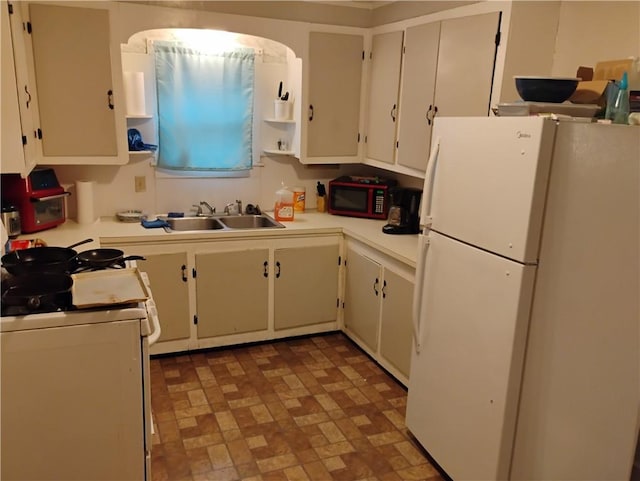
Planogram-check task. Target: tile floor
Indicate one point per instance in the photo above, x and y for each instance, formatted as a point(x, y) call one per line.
point(314, 408)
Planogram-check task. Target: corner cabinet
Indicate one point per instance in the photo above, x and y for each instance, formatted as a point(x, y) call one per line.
point(334, 79)
point(377, 307)
point(76, 79)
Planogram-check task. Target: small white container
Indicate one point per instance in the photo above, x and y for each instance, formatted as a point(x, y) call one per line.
point(282, 110)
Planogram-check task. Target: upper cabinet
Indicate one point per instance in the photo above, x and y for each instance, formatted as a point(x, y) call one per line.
point(446, 70)
point(78, 102)
point(333, 98)
point(386, 54)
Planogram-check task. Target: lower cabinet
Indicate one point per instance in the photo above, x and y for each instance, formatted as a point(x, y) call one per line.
point(377, 307)
point(168, 277)
point(218, 293)
point(305, 285)
point(232, 292)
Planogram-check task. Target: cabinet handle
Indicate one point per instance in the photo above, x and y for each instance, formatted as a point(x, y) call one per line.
point(110, 99)
point(310, 112)
point(393, 112)
point(427, 114)
point(384, 289)
point(265, 273)
point(29, 96)
point(277, 270)
point(184, 273)
point(375, 286)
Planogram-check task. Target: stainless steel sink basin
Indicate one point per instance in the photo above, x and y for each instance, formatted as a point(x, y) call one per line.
point(249, 222)
point(193, 223)
point(231, 222)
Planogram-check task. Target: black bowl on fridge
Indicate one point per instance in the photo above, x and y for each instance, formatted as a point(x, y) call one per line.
point(545, 89)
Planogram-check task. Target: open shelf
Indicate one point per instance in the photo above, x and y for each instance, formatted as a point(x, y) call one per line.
point(278, 152)
point(279, 121)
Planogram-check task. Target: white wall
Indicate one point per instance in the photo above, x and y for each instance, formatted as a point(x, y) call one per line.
point(589, 32)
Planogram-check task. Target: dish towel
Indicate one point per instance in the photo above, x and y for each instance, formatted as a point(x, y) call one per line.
point(152, 224)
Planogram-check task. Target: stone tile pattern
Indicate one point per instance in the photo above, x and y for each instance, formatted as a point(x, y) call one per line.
point(305, 409)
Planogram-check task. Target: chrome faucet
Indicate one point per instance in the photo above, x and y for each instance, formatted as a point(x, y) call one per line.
point(212, 210)
point(233, 208)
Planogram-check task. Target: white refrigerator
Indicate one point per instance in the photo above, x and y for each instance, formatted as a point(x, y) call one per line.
point(526, 315)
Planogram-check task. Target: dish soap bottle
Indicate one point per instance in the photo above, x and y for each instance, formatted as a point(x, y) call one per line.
point(618, 112)
point(283, 210)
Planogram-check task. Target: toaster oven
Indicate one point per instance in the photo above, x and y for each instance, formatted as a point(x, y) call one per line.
point(39, 198)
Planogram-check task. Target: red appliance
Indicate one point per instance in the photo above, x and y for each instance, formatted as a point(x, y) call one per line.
point(39, 199)
point(360, 196)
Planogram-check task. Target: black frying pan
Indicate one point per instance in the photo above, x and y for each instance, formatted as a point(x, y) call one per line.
point(33, 291)
point(104, 257)
point(41, 259)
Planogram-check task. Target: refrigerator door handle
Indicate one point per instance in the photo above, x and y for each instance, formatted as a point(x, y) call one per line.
point(423, 247)
point(425, 210)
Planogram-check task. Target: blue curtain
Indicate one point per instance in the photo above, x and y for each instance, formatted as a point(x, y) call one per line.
point(205, 108)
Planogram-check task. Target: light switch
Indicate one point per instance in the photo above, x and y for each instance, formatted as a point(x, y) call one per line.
point(141, 183)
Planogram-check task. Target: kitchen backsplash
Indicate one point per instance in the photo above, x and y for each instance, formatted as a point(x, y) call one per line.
point(115, 185)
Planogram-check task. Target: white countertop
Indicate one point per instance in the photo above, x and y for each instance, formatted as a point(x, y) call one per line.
point(109, 231)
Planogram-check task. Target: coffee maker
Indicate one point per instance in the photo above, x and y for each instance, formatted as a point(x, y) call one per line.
point(404, 213)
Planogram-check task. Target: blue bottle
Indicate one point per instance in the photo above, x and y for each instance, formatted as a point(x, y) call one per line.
point(618, 110)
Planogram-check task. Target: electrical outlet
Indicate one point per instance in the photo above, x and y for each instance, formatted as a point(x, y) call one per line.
point(141, 183)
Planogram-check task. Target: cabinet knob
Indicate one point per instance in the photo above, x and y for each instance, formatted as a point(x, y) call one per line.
point(277, 270)
point(393, 112)
point(265, 273)
point(310, 112)
point(375, 286)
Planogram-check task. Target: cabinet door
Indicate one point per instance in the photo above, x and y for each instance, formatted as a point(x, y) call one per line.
point(465, 65)
point(362, 298)
point(418, 85)
point(335, 74)
point(232, 292)
point(386, 56)
point(396, 334)
point(12, 154)
point(76, 89)
point(168, 276)
point(306, 285)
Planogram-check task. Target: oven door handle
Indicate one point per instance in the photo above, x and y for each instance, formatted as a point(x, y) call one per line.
point(49, 197)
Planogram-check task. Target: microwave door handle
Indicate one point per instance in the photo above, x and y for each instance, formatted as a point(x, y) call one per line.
point(49, 197)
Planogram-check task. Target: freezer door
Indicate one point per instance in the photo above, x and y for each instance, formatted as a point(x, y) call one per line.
point(490, 180)
point(464, 382)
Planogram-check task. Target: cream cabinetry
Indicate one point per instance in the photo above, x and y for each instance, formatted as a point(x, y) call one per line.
point(17, 154)
point(168, 276)
point(306, 285)
point(232, 292)
point(385, 56)
point(377, 307)
point(446, 70)
point(221, 293)
point(334, 78)
point(78, 101)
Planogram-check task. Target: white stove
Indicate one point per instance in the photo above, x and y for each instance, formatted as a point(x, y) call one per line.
point(75, 392)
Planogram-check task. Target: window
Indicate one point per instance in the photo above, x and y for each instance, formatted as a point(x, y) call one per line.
point(205, 108)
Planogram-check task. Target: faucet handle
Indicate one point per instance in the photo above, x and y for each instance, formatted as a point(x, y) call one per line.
point(239, 206)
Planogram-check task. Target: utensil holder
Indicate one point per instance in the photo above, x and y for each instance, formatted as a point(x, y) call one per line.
point(282, 109)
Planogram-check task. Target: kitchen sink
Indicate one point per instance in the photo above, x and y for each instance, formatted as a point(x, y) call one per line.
point(249, 221)
point(231, 222)
point(193, 223)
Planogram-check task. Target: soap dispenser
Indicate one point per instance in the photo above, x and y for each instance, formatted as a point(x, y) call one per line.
point(618, 110)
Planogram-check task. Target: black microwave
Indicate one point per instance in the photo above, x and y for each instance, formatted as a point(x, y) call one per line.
point(360, 196)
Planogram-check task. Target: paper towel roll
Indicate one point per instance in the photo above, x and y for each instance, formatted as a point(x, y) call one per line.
point(134, 93)
point(85, 202)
